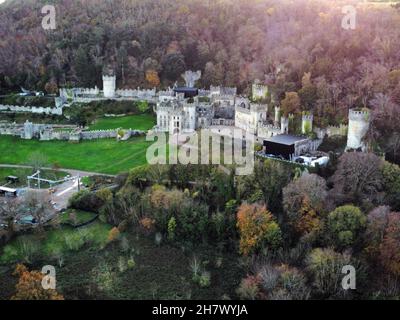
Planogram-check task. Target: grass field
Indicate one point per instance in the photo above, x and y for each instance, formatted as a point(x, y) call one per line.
point(103, 156)
point(138, 122)
point(76, 217)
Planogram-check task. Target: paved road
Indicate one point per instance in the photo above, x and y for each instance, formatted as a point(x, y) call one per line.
point(72, 172)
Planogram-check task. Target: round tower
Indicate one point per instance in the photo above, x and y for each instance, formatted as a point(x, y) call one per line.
point(109, 85)
point(277, 116)
point(359, 121)
point(284, 125)
point(307, 123)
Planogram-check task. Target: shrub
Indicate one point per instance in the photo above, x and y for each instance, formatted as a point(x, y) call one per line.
point(171, 229)
point(249, 288)
point(113, 234)
point(86, 201)
point(205, 279)
point(27, 249)
point(76, 240)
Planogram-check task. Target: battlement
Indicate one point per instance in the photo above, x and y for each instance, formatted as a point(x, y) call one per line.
point(357, 115)
point(308, 117)
point(109, 77)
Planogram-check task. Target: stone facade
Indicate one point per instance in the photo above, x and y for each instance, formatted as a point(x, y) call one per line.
point(46, 132)
point(30, 109)
point(109, 85)
point(249, 116)
point(359, 121)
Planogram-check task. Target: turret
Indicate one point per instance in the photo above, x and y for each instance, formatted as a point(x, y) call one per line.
point(359, 121)
point(284, 125)
point(277, 116)
point(109, 85)
point(307, 123)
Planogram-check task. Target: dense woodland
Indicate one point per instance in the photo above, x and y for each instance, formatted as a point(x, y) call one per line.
point(293, 230)
point(297, 47)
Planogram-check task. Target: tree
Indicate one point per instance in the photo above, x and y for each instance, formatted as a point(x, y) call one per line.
point(291, 104)
point(303, 200)
point(152, 78)
point(345, 224)
point(173, 65)
point(391, 183)
point(51, 87)
point(358, 179)
point(268, 180)
point(9, 209)
point(257, 229)
point(29, 286)
point(37, 204)
point(390, 246)
point(377, 221)
point(325, 268)
point(308, 92)
point(37, 160)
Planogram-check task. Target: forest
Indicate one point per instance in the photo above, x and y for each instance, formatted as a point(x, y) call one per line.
point(296, 47)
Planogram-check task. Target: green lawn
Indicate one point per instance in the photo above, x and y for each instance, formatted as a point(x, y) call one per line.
point(138, 122)
point(76, 217)
point(103, 155)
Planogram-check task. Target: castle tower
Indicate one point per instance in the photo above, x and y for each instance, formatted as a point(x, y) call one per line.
point(277, 116)
point(190, 121)
point(284, 125)
point(28, 130)
point(259, 91)
point(359, 121)
point(109, 85)
point(307, 123)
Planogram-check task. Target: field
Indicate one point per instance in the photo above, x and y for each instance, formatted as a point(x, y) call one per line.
point(102, 156)
point(137, 122)
point(134, 267)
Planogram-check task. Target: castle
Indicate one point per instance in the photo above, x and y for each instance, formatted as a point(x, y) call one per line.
point(186, 109)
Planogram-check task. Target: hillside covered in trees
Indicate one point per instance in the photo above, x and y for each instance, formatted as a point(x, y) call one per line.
point(297, 47)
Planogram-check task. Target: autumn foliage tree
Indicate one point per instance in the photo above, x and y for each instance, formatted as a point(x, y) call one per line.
point(291, 104)
point(152, 78)
point(390, 246)
point(29, 286)
point(257, 228)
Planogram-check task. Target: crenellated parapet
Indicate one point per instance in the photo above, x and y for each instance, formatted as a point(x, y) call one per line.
point(359, 122)
point(307, 123)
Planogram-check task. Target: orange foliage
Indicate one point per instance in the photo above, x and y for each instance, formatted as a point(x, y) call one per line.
point(308, 220)
point(147, 223)
point(152, 78)
point(390, 246)
point(256, 227)
point(29, 286)
point(113, 234)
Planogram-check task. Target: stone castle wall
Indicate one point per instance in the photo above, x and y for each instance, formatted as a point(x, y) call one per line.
point(31, 109)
